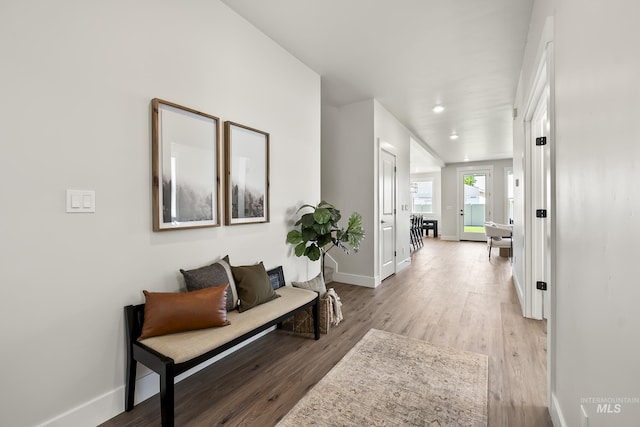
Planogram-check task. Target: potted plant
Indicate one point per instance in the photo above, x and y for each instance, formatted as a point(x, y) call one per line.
point(318, 231)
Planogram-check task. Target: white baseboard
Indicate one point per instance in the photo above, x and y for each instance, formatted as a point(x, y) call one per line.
point(556, 413)
point(451, 238)
point(519, 291)
point(404, 264)
point(91, 413)
point(354, 279)
point(104, 407)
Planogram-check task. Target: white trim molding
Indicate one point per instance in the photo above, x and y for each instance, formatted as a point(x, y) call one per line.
point(556, 413)
point(104, 407)
point(355, 279)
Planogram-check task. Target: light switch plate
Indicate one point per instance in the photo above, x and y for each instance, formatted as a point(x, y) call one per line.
point(81, 201)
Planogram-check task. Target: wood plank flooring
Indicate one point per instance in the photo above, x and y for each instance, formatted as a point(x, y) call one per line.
point(451, 295)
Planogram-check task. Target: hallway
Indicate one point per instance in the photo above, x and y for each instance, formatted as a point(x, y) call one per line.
point(451, 295)
point(470, 303)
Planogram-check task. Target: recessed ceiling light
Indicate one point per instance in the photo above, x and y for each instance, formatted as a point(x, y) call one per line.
point(438, 109)
point(453, 136)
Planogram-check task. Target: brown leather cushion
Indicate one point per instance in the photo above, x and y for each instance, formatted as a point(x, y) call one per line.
point(168, 313)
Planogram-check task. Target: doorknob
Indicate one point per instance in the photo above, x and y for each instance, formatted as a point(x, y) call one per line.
point(461, 212)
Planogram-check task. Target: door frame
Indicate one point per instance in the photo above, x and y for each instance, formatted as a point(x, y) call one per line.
point(539, 169)
point(390, 150)
point(542, 87)
point(465, 170)
point(544, 80)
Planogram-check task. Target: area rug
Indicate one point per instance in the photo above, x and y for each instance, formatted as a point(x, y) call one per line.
point(391, 380)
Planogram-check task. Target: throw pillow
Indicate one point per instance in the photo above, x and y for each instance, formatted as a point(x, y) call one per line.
point(254, 286)
point(216, 274)
point(316, 284)
point(168, 313)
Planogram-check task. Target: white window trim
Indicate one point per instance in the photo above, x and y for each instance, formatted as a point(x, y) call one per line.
point(507, 169)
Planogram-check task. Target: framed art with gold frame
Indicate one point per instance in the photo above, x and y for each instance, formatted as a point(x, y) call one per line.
point(246, 174)
point(185, 167)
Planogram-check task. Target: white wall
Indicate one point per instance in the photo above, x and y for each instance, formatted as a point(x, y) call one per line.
point(389, 130)
point(350, 140)
point(450, 202)
point(348, 180)
point(597, 102)
point(77, 81)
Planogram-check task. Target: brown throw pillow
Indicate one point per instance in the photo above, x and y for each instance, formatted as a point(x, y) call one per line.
point(168, 313)
point(216, 274)
point(253, 285)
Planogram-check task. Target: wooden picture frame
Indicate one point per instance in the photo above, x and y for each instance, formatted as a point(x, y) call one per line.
point(246, 174)
point(185, 167)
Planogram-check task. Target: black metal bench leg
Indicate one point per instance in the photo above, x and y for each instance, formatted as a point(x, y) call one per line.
point(130, 387)
point(316, 318)
point(167, 396)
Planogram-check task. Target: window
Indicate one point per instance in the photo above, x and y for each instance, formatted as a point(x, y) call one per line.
point(422, 197)
point(509, 196)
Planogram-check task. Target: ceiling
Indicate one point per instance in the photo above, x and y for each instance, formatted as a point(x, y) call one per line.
point(411, 55)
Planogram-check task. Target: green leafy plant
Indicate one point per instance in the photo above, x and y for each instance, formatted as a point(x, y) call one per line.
point(318, 231)
point(470, 180)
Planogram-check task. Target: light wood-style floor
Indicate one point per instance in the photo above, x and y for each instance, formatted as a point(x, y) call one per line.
point(450, 295)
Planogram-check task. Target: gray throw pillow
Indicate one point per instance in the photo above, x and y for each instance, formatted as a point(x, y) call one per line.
point(254, 286)
point(216, 274)
point(316, 284)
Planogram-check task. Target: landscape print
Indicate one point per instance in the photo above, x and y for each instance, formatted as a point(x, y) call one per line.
point(187, 182)
point(251, 203)
point(247, 161)
point(185, 203)
point(188, 168)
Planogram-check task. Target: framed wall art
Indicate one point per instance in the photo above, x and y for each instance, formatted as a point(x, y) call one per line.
point(185, 171)
point(247, 174)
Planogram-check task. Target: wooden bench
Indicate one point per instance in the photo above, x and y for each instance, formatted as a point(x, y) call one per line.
point(171, 355)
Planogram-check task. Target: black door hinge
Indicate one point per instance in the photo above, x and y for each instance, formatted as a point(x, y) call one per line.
point(542, 140)
point(395, 253)
point(541, 286)
point(541, 213)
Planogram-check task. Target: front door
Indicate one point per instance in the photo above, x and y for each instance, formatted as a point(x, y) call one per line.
point(474, 204)
point(387, 203)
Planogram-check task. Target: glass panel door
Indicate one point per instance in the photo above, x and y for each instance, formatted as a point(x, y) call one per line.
point(474, 210)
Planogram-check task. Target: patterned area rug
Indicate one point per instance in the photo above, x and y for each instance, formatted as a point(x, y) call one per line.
point(391, 380)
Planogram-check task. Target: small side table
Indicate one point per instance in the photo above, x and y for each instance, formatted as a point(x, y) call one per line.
point(430, 224)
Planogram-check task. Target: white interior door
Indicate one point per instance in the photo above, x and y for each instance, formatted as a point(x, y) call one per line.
point(540, 203)
point(387, 185)
point(474, 202)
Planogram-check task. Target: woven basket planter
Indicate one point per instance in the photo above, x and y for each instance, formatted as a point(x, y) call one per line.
point(303, 321)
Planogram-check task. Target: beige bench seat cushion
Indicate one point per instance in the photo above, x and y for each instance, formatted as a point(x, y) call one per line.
point(185, 346)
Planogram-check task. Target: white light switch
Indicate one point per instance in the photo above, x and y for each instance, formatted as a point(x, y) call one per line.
point(81, 201)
